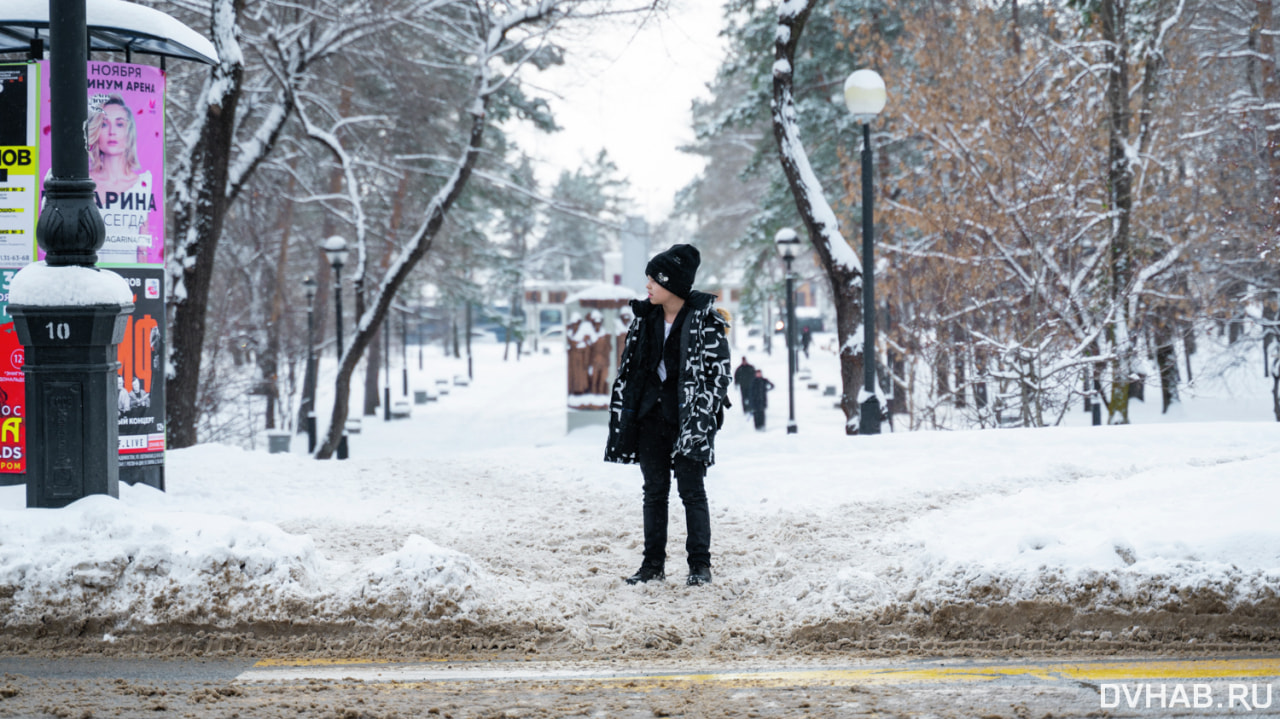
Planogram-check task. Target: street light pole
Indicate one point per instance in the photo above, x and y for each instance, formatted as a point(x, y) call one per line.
point(864, 95)
point(309, 374)
point(336, 248)
point(869, 423)
point(788, 243)
point(469, 374)
point(404, 350)
point(386, 368)
point(791, 351)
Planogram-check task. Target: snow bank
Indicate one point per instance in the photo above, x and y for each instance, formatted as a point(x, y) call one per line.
point(421, 579)
point(101, 557)
point(130, 568)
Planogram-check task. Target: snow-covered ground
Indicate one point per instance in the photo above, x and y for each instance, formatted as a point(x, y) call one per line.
point(479, 523)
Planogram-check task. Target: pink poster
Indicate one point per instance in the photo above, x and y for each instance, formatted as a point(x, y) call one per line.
point(125, 142)
point(13, 441)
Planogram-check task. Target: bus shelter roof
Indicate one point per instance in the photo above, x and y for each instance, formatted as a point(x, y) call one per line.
point(114, 26)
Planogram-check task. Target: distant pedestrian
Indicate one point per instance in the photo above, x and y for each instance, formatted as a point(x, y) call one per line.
point(760, 398)
point(667, 403)
point(743, 377)
point(806, 339)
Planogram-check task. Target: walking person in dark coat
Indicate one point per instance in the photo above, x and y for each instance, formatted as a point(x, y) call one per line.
point(667, 403)
point(743, 377)
point(806, 339)
point(760, 398)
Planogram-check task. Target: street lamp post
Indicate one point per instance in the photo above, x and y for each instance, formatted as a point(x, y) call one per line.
point(788, 246)
point(309, 374)
point(386, 368)
point(69, 339)
point(404, 350)
point(336, 249)
point(864, 95)
point(469, 374)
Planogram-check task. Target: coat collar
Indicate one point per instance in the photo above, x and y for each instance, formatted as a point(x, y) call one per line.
point(697, 302)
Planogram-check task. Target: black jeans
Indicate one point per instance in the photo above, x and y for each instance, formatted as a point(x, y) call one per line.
point(656, 439)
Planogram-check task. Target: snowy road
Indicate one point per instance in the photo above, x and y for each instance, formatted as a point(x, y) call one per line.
point(791, 687)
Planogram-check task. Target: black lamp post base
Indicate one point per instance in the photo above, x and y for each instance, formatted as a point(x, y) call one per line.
point(71, 400)
point(869, 419)
point(311, 432)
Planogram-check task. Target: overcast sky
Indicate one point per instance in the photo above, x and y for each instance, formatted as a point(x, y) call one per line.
point(628, 90)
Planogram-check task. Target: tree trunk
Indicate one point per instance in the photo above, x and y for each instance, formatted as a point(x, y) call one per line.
point(271, 370)
point(197, 227)
point(941, 365)
point(898, 370)
point(453, 329)
point(1270, 96)
point(841, 265)
point(1015, 32)
point(961, 357)
point(398, 274)
point(1120, 190)
point(1167, 361)
point(1275, 396)
point(372, 365)
point(980, 382)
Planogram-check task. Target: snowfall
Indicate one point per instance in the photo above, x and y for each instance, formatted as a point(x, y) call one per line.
point(479, 523)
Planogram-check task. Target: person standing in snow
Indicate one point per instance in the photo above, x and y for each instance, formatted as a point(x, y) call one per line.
point(760, 398)
point(743, 377)
point(667, 404)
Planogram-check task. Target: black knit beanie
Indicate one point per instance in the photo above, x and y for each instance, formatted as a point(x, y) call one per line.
point(675, 269)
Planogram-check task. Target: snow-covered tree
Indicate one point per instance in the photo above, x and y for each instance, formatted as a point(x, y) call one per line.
point(1237, 110)
point(267, 53)
point(584, 204)
point(492, 42)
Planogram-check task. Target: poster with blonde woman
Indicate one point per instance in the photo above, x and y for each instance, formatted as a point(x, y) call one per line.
point(124, 138)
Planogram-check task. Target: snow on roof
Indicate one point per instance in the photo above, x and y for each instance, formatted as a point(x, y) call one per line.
point(40, 285)
point(604, 291)
point(114, 26)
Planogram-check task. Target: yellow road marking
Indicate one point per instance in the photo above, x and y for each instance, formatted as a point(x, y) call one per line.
point(1172, 669)
point(312, 662)
point(414, 673)
point(353, 661)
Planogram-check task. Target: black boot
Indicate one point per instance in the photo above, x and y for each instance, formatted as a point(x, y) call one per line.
point(699, 574)
point(647, 573)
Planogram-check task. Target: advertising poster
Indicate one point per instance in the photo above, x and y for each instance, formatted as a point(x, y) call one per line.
point(125, 137)
point(140, 402)
point(141, 397)
point(13, 440)
point(19, 162)
point(125, 140)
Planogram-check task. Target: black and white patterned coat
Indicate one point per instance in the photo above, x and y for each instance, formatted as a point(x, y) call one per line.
point(703, 382)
